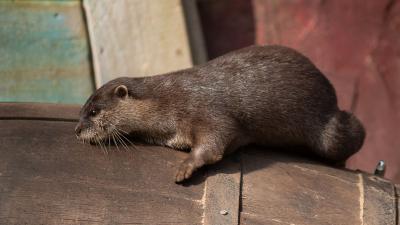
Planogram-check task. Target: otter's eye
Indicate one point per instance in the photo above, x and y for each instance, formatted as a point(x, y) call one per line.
point(93, 112)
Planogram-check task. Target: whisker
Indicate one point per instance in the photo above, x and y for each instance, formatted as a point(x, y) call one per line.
point(115, 142)
point(115, 139)
point(104, 145)
point(127, 139)
point(119, 138)
point(121, 131)
point(99, 141)
point(123, 139)
point(126, 147)
point(122, 142)
point(109, 143)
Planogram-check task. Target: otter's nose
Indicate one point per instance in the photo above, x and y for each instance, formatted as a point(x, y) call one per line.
point(78, 129)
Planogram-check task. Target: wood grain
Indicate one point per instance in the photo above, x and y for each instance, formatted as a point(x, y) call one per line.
point(137, 38)
point(379, 201)
point(279, 190)
point(54, 179)
point(44, 54)
point(222, 194)
point(43, 111)
point(48, 177)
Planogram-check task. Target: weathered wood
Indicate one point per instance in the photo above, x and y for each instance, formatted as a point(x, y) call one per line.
point(44, 54)
point(397, 186)
point(48, 177)
point(302, 192)
point(137, 38)
point(278, 189)
point(222, 194)
point(42, 111)
point(379, 201)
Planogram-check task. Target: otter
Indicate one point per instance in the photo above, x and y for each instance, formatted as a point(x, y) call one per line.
point(264, 95)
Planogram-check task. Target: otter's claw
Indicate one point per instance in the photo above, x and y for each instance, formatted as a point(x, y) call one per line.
point(185, 171)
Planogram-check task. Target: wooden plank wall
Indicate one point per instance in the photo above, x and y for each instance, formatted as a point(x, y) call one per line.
point(137, 38)
point(44, 54)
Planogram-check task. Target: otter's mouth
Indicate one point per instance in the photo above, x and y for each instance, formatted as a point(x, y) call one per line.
point(105, 138)
point(91, 135)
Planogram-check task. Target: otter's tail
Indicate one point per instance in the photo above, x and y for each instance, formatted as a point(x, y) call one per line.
point(341, 137)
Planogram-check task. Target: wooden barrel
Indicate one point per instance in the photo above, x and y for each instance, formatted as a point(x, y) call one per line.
point(48, 177)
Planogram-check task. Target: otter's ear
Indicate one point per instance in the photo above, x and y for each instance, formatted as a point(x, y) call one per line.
point(121, 91)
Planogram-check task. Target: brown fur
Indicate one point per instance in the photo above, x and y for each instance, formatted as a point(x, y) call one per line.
point(269, 95)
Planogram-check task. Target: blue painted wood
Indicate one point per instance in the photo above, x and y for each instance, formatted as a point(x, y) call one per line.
point(44, 53)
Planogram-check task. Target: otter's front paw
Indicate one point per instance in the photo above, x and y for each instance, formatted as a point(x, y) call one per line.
point(185, 170)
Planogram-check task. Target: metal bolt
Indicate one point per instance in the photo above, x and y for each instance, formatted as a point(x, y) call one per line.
point(223, 212)
point(380, 168)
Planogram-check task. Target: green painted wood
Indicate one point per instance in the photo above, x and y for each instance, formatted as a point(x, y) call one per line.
point(44, 53)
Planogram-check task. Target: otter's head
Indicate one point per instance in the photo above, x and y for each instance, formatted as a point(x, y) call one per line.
point(103, 113)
